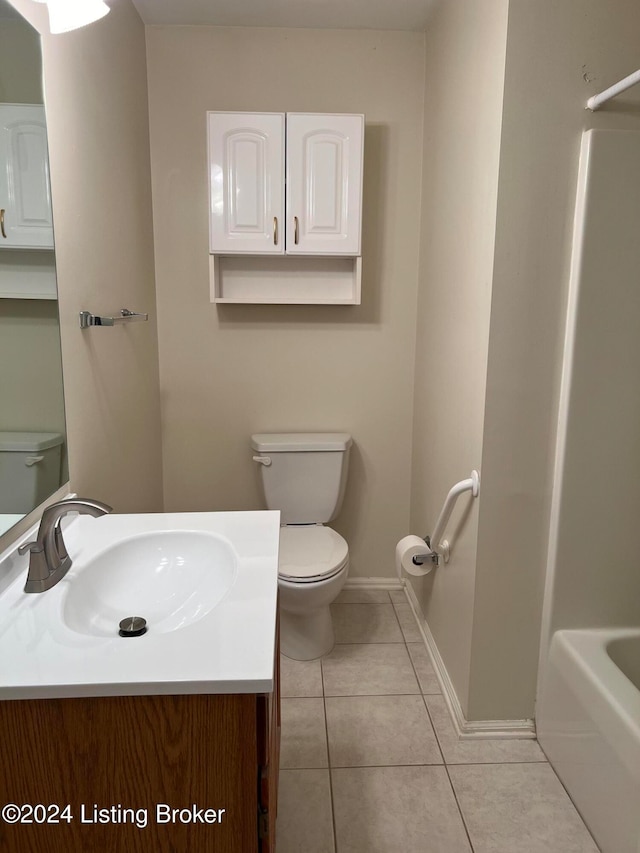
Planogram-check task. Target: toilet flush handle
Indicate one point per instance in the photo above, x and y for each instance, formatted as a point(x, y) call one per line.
point(263, 460)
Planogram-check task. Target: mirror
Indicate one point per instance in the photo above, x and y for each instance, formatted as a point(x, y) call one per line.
point(33, 461)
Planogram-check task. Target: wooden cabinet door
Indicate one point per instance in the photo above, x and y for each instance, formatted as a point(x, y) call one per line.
point(25, 197)
point(324, 183)
point(246, 182)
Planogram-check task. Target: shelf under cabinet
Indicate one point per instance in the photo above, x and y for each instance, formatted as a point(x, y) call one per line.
point(285, 279)
point(27, 274)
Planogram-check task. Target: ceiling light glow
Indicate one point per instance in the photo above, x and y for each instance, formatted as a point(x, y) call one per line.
point(66, 15)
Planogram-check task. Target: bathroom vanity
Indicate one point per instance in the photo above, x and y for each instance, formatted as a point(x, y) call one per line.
point(165, 741)
point(133, 761)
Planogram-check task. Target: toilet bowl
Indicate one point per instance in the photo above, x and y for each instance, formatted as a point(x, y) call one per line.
point(313, 567)
point(304, 476)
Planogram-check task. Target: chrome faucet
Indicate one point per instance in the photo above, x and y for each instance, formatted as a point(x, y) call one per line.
point(49, 561)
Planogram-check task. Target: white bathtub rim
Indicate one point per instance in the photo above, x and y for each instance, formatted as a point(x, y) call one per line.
point(612, 700)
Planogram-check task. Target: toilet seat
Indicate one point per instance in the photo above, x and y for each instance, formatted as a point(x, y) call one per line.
point(311, 552)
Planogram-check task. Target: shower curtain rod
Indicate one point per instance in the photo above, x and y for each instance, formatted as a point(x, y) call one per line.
point(597, 100)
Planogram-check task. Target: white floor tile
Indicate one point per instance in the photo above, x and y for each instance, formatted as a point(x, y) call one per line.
point(519, 808)
point(396, 810)
point(366, 623)
point(303, 742)
point(372, 669)
point(305, 823)
point(380, 730)
point(299, 678)
point(363, 596)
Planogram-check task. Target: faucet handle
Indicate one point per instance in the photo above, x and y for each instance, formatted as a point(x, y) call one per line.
point(61, 548)
point(32, 547)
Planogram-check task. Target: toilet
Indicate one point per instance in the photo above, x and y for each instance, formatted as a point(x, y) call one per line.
point(30, 465)
point(304, 476)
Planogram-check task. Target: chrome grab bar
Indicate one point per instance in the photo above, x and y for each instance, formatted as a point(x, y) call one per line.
point(87, 319)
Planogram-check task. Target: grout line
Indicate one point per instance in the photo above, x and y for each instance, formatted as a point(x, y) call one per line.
point(415, 675)
point(363, 696)
point(376, 642)
point(365, 766)
point(355, 695)
point(491, 763)
point(326, 730)
point(395, 613)
point(455, 796)
point(446, 767)
point(424, 702)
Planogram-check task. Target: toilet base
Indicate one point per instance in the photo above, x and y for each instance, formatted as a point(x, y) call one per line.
point(306, 636)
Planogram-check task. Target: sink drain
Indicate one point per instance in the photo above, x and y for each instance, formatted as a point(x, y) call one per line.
point(133, 626)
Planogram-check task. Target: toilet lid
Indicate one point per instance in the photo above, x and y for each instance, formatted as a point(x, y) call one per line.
point(311, 552)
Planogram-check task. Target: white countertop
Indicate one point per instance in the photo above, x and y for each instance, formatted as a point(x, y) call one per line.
point(229, 650)
point(7, 520)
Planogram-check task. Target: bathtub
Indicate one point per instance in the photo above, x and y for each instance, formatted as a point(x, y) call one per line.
point(588, 724)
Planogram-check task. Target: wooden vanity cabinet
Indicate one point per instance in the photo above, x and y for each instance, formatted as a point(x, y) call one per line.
point(125, 755)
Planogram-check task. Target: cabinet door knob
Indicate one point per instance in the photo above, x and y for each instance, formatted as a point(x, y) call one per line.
point(296, 230)
point(4, 233)
point(275, 230)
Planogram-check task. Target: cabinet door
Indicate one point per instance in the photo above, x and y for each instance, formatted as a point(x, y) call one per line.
point(246, 182)
point(324, 183)
point(25, 198)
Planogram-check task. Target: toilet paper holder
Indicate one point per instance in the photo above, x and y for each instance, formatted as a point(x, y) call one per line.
point(428, 557)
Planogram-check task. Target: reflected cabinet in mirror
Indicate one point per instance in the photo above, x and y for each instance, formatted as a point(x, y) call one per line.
point(33, 461)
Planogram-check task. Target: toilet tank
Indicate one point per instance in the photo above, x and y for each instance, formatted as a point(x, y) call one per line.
point(29, 469)
point(303, 474)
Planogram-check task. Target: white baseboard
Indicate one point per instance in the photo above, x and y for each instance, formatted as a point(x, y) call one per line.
point(465, 729)
point(372, 583)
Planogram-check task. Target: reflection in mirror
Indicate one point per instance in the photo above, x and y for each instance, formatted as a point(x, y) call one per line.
point(32, 428)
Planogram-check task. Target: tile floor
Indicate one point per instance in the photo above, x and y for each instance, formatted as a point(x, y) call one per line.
point(370, 762)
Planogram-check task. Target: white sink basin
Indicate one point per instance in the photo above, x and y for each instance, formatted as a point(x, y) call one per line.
point(170, 578)
point(207, 584)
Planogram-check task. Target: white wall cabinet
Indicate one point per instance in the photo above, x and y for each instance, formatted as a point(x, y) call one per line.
point(25, 199)
point(285, 185)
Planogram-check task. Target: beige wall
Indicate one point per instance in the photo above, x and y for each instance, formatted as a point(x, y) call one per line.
point(30, 367)
point(232, 370)
point(485, 609)
point(465, 50)
point(20, 63)
point(577, 47)
point(598, 473)
point(97, 118)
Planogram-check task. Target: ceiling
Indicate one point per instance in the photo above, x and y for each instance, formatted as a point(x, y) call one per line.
point(317, 14)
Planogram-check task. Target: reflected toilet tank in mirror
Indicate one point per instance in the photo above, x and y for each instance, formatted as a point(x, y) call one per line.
point(33, 463)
